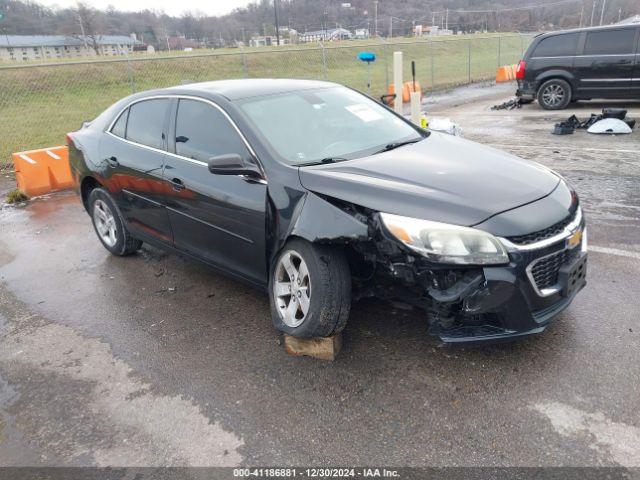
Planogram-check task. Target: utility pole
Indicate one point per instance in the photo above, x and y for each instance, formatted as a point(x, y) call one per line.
point(447, 23)
point(390, 27)
point(275, 12)
point(619, 14)
point(375, 15)
point(593, 9)
point(604, 4)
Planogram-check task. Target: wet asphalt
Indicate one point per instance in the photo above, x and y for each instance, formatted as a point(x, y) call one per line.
point(156, 360)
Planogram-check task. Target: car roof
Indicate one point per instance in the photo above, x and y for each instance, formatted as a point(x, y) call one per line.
point(588, 29)
point(246, 88)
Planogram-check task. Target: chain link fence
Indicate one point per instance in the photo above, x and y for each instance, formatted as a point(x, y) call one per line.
point(40, 103)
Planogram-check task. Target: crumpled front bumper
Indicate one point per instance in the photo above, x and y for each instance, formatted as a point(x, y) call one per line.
point(509, 304)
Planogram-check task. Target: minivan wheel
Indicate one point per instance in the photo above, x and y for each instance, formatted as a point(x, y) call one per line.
point(554, 94)
point(310, 290)
point(108, 224)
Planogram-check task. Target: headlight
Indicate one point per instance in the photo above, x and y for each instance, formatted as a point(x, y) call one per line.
point(444, 243)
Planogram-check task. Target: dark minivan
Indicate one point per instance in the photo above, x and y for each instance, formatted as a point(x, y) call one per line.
point(582, 64)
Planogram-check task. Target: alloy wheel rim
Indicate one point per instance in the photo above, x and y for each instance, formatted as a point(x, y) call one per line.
point(553, 95)
point(105, 223)
point(292, 289)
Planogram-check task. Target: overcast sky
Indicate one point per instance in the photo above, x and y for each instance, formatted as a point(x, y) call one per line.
point(172, 7)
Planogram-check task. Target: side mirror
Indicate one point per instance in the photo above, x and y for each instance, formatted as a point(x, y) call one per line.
point(232, 164)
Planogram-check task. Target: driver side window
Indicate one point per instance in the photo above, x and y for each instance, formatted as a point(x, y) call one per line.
point(202, 132)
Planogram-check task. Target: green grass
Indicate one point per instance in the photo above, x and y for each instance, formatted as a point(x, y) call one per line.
point(39, 104)
point(16, 196)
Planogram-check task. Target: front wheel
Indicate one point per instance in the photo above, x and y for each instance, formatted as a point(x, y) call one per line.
point(108, 224)
point(554, 94)
point(310, 290)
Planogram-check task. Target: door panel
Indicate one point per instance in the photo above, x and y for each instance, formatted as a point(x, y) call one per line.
point(606, 66)
point(219, 218)
point(133, 173)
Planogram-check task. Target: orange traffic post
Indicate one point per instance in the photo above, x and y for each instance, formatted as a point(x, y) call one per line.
point(42, 171)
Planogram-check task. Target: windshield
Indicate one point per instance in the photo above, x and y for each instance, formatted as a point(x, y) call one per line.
point(330, 124)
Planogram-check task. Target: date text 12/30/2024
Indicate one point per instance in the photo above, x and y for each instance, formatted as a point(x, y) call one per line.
point(316, 472)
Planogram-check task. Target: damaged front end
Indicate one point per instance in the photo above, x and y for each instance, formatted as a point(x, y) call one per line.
point(461, 304)
point(464, 303)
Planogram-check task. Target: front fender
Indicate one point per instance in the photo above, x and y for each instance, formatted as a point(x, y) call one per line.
point(320, 221)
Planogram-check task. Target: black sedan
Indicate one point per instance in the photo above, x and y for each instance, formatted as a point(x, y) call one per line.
point(322, 196)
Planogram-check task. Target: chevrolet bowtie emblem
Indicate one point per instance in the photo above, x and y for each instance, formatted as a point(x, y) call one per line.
point(575, 239)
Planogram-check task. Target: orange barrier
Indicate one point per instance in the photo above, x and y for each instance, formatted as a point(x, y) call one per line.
point(42, 171)
point(407, 88)
point(506, 73)
point(502, 75)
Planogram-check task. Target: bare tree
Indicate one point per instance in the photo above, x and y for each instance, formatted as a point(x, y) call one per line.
point(88, 18)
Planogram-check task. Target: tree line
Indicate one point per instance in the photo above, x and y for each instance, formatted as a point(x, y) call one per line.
point(394, 18)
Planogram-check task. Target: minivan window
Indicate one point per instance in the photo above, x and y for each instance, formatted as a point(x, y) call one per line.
point(557, 46)
point(202, 132)
point(146, 120)
point(610, 42)
point(120, 127)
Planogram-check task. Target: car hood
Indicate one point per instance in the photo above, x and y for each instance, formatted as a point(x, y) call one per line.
point(441, 178)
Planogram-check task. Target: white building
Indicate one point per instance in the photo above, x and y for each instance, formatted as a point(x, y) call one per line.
point(22, 48)
point(325, 35)
point(267, 41)
point(421, 30)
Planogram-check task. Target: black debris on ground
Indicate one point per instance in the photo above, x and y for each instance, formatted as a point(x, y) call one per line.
point(508, 105)
point(572, 123)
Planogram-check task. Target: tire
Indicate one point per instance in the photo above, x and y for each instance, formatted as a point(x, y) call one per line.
point(108, 224)
point(326, 286)
point(554, 94)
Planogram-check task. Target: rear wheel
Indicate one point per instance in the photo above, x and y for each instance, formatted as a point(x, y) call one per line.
point(108, 224)
point(554, 94)
point(310, 290)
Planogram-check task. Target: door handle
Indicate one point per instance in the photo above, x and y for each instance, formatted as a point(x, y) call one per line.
point(112, 162)
point(177, 184)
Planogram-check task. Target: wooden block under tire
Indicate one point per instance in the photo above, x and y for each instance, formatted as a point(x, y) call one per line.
point(319, 347)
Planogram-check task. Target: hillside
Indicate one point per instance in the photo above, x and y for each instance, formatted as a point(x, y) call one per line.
point(395, 17)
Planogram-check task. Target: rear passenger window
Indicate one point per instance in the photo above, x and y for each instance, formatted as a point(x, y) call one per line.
point(557, 46)
point(610, 42)
point(146, 120)
point(202, 132)
point(120, 127)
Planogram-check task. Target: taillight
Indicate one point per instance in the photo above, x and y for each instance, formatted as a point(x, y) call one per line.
point(522, 66)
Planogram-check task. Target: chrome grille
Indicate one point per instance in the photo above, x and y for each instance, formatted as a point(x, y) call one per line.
point(543, 234)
